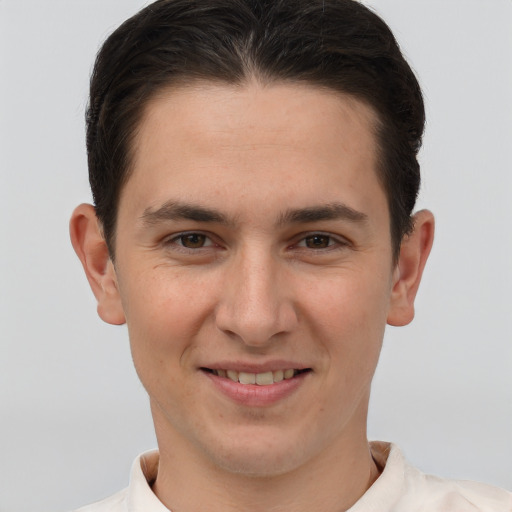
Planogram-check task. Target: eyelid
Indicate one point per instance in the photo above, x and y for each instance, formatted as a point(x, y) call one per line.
point(338, 240)
point(173, 240)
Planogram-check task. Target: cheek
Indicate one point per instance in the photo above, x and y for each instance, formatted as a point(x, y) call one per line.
point(164, 312)
point(351, 300)
point(348, 315)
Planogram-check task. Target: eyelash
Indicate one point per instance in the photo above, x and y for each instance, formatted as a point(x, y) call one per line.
point(333, 242)
point(176, 241)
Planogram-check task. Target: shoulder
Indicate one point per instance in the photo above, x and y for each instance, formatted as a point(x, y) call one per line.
point(114, 503)
point(138, 495)
point(403, 488)
point(443, 495)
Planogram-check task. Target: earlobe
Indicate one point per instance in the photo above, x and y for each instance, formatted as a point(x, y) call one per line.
point(92, 250)
point(414, 253)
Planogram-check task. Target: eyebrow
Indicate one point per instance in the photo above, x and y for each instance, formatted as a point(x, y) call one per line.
point(175, 210)
point(331, 211)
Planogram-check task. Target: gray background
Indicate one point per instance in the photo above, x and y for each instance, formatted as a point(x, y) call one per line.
point(73, 415)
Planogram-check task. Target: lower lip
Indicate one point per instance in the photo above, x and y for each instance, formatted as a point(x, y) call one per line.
point(252, 395)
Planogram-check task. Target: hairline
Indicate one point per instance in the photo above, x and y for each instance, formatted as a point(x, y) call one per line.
point(252, 76)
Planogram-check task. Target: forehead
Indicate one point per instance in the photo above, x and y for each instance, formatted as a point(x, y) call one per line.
point(279, 140)
point(236, 113)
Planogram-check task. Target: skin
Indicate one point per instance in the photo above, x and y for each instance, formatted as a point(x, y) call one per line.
point(258, 283)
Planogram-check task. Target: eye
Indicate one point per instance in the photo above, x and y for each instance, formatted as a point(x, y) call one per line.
point(194, 240)
point(191, 241)
point(317, 241)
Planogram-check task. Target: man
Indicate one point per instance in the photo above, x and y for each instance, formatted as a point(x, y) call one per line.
point(253, 166)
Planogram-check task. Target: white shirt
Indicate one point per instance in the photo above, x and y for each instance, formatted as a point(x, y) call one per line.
point(399, 488)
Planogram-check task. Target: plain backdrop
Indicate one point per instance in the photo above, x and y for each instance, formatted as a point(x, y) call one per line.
point(72, 412)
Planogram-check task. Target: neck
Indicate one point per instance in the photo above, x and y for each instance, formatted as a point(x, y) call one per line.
point(332, 481)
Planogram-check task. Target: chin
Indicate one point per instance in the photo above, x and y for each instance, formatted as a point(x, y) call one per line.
point(262, 465)
point(257, 458)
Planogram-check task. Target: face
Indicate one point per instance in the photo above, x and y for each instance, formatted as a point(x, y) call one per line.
point(254, 268)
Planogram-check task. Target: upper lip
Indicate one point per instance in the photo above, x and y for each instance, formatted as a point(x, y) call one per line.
point(244, 366)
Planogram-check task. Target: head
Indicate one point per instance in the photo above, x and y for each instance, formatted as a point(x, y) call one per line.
point(339, 45)
point(253, 165)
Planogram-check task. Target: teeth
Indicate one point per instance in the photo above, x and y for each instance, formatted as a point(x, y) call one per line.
point(232, 375)
point(261, 379)
point(288, 374)
point(247, 378)
point(278, 376)
point(264, 379)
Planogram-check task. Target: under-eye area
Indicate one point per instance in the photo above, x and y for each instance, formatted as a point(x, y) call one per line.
point(259, 379)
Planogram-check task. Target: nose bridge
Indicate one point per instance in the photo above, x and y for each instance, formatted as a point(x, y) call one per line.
point(254, 306)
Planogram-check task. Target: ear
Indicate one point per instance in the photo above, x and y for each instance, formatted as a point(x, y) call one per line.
point(90, 246)
point(414, 252)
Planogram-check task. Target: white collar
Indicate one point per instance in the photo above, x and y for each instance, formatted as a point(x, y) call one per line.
point(381, 496)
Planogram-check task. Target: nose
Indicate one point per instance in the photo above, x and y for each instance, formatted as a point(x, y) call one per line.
point(256, 304)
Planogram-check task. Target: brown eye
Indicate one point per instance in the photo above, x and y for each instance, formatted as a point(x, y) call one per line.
point(318, 241)
point(193, 240)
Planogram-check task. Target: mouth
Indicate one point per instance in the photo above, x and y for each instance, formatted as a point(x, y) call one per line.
point(259, 379)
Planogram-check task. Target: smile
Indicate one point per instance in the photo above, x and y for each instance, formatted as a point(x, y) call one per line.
point(259, 379)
